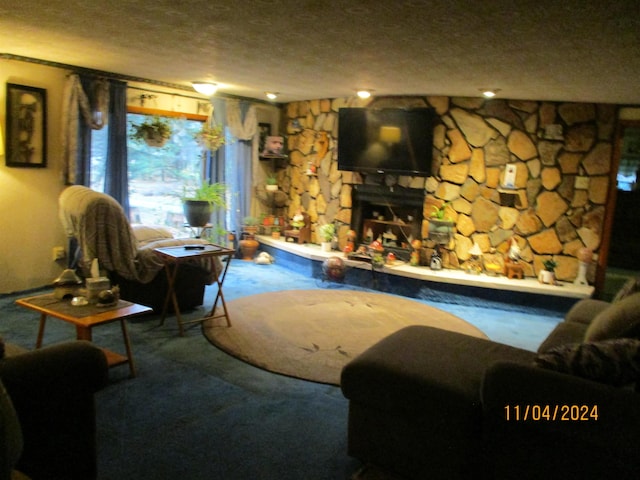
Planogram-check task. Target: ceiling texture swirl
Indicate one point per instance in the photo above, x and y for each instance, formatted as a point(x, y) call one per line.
point(575, 50)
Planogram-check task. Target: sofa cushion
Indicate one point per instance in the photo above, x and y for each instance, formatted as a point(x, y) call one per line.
point(621, 319)
point(614, 362)
point(146, 233)
point(415, 367)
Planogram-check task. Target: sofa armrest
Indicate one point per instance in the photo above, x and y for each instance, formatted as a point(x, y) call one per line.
point(595, 427)
point(69, 366)
point(585, 310)
point(52, 390)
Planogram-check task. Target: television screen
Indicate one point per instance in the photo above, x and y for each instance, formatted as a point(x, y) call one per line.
point(391, 140)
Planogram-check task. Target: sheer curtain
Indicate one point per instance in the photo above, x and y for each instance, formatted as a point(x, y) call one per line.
point(76, 134)
point(240, 155)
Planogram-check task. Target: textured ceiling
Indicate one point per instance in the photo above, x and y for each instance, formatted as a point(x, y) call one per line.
point(574, 50)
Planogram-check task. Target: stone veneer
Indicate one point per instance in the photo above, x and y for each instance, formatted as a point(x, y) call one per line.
point(562, 153)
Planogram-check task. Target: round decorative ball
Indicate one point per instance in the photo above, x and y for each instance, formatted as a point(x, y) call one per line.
point(333, 268)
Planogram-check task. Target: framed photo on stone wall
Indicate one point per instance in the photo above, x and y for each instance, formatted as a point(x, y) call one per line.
point(26, 117)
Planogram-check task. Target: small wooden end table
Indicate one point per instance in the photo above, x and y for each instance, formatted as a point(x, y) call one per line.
point(172, 257)
point(85, 318)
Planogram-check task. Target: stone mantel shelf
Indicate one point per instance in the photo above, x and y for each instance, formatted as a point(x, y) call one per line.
point(457, 277)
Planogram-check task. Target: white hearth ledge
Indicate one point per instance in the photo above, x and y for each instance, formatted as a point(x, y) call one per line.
point(458, 277)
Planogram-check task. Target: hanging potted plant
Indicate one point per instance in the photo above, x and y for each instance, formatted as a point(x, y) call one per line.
point(210, 136)
point(155, 132)
point(199, 203)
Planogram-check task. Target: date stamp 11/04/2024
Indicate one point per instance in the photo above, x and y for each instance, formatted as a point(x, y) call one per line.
point(551, 413)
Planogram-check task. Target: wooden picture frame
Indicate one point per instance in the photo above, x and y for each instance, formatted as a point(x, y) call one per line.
point(26, 117)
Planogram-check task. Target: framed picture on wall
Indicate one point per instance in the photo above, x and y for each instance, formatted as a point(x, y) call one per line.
point(26, 142)
point(265, 130)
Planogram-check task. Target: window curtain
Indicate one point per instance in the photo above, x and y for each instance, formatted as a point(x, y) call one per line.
point(116, 173)
point(80, 114)
point(241, 154)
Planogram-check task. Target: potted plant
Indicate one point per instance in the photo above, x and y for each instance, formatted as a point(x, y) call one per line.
point(250, 225)
point(548, 275)
point(200, 202)
point(272, 183)
point(440, 225)
point(326, 233)
point(155, 132)
point(210, 136)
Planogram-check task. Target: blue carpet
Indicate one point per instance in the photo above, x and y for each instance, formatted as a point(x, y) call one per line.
point(195, 413)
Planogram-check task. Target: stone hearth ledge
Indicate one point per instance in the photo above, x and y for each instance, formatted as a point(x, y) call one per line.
point(457, 277)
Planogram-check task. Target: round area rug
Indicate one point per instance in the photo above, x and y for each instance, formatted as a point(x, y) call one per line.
point(312, 334)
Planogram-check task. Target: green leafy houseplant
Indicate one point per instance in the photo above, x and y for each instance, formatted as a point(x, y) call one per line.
point(210, 137)
point(154, 132)
point(439, 213)
point(549, 265)
point(200, 202)
point(327, 232)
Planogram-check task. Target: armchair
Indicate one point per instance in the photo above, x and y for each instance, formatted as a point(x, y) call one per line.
point(47, 412)
point(102, 230)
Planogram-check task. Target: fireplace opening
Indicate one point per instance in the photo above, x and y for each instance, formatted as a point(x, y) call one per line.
point(392, 215)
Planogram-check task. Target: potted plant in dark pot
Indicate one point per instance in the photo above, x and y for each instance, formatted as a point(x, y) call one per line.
point(155, 132)
point(199, 203)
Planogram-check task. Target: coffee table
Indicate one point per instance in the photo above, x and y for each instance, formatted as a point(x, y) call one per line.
point(85, 318)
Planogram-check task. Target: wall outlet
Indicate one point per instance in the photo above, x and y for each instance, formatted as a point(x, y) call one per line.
point(58, 253)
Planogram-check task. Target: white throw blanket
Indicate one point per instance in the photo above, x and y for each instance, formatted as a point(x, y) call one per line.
point(102, 230)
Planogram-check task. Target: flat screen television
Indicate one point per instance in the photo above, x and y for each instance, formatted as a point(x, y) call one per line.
point(389, 140)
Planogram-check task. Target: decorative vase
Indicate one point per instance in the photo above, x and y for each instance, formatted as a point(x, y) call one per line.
point(325, 246)
point(272, 188)
point(248, 247)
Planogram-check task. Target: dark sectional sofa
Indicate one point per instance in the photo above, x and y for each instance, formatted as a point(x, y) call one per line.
point(47, 411)
point(425, 403)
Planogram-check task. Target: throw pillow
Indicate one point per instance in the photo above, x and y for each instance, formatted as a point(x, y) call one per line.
point(614, 362)
point(630, 287)
point(620, 320)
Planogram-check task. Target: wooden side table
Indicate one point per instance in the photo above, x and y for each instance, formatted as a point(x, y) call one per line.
point(172, 257)
point(85, 318)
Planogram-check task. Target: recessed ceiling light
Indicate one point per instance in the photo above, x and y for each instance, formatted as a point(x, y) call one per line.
point(489, 93)
point(363, 93)
point(205, 88)
point(271, 95)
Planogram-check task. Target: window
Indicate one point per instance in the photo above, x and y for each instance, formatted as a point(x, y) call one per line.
point(156, 176)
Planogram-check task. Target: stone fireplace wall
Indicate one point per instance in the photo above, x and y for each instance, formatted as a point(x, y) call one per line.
point(561, 153)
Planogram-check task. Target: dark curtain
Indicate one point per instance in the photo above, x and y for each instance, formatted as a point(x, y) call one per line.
point(116, 173)
point(83, 165)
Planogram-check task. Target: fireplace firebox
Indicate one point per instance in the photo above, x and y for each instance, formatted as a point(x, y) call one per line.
point(392, 215)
